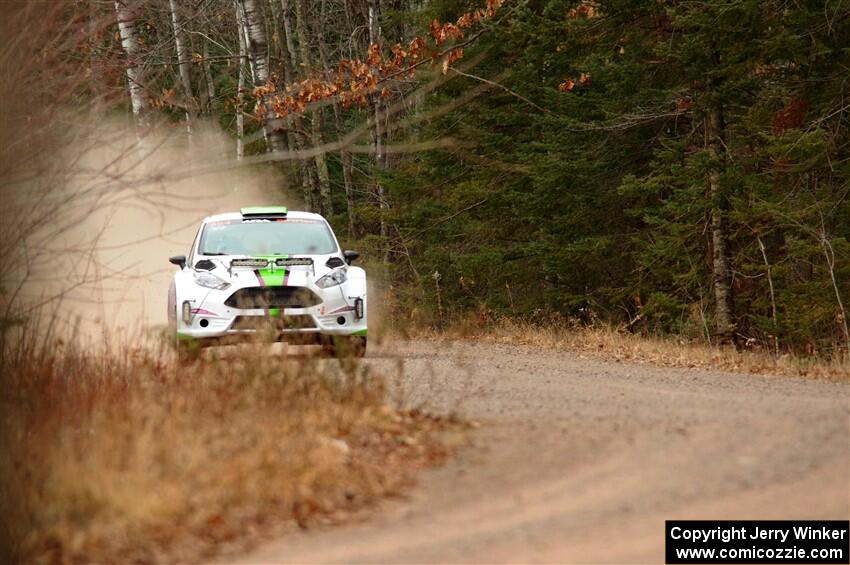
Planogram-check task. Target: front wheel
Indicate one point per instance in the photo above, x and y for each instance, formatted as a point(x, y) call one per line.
point(345, 346)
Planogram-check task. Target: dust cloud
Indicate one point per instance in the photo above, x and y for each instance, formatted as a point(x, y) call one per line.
point(130, 201)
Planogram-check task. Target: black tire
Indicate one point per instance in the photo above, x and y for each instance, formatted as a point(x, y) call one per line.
point(345, 346)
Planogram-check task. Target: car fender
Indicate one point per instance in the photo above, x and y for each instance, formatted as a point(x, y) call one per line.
point(183, 288)
point(356, 284)
point(172, 303)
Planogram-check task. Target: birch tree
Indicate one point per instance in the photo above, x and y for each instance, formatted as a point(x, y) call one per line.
point(374, 17)
point(208, 76)
point(325, 204)
point(127, 19)
point(184, 60)
point(344, 153)
point(256, 42)
point(240, 84)
point(721, 268)
point(307, 167)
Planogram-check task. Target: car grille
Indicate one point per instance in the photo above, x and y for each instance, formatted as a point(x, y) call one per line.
point(272, 297)
point(294, 322)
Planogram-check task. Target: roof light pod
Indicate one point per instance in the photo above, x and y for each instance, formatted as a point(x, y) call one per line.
point(264, 212)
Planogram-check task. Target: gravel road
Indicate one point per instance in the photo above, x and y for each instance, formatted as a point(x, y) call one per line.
point(581, 461)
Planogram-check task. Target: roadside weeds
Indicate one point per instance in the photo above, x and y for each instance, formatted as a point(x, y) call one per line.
point(605, 342)
point(125, 456)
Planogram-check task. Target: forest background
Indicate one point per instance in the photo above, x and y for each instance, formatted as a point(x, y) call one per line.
point(667, 167)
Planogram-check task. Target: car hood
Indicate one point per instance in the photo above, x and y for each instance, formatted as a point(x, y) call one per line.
point(293, 270)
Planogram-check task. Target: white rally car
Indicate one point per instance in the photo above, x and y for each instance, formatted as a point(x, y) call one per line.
point(268, 272)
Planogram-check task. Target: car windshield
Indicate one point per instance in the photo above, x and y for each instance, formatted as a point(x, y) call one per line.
point(267, 237)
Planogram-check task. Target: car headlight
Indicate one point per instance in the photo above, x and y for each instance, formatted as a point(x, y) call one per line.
point(211, 281)
point(334, 278)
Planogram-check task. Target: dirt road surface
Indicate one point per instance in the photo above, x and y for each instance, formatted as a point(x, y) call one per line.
point(581, 461)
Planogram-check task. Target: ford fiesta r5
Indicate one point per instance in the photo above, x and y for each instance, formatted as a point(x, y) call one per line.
point(268, 272)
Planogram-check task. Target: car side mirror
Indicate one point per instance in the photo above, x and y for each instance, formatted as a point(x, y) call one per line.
point(350, 256)
point(179, 260)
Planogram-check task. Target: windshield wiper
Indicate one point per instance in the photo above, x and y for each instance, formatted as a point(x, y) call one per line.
point(214, 253)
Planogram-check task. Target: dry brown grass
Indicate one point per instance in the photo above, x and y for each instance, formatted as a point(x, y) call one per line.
point(606, 342)
point(122, 456)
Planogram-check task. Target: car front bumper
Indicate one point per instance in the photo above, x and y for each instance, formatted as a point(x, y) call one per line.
point(208, 317)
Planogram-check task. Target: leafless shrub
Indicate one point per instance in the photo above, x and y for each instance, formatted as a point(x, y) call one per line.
point(123, 454)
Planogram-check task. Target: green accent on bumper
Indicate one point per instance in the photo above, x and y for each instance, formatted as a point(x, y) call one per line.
point(263, 210)
point(272, 275)
point(185, 337)
point(360, 332)
point(272, 278)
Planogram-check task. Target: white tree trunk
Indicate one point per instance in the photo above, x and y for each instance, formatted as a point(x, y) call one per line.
point(829, 255)
point(772, 294)
point(127, 31)
point(307, 167)
point(375, 37)
point(254, 24)
point(184, 60)
point(325, 203)
point(721, 265)
point(208, 77)
point(344, 153)
point(290, 42)
point(240, 120)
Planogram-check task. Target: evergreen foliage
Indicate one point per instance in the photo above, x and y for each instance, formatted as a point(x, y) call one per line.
point(597, 200)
